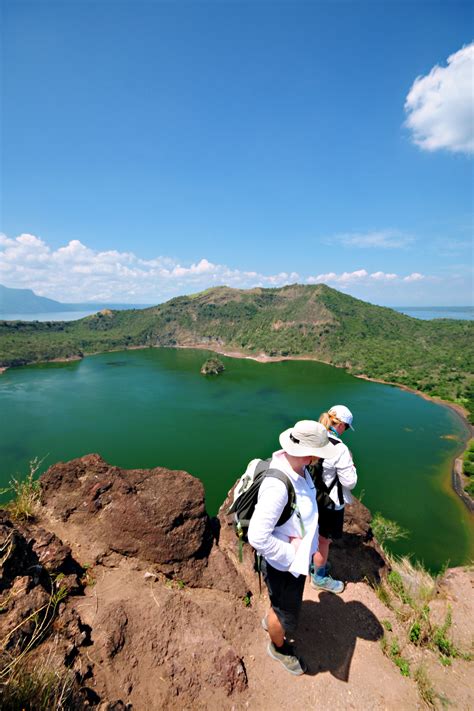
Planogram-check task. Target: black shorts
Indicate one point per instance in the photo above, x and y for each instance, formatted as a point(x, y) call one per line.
point(331, 522)
point(286, 595)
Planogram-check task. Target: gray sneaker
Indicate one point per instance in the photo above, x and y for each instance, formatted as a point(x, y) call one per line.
point(290, 661)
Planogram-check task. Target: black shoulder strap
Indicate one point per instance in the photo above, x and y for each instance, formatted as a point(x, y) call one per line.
point(318, 471)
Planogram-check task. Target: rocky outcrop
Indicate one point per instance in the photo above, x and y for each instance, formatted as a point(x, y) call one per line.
point(125, 621)
point(156, 515)
point(140, 595)
point(37, 572)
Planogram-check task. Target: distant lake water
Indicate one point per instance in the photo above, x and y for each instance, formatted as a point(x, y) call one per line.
point(427, 313)
point(148, 408)
point(48, 316)
point(421, 312)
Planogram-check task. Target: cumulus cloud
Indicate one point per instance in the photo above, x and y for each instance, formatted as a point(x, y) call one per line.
point(383, 276)
point(344, 278)
point(414, 277)
point(75, 272)
point(362, 276)
point(440, 105)
point(379, 239)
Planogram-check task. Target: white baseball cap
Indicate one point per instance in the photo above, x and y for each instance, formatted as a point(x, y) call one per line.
point(307, 438)
point(342, 413)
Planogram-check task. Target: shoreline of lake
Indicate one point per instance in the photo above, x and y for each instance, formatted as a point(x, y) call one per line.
point(459, 410)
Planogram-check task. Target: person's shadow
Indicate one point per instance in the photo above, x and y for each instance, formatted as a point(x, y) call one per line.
point(328, 630)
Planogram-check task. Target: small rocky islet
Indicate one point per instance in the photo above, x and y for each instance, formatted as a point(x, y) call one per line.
point(212, 366)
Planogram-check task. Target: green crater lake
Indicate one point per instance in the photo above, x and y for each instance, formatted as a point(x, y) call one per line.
point(148, 408)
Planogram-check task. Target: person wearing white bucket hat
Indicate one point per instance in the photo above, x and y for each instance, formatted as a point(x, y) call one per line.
point(334, 478)
point(286, 550)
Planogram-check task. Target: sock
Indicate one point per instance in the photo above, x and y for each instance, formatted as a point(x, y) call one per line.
point(285, 648)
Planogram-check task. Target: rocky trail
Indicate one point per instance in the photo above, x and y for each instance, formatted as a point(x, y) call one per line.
point(161, 615)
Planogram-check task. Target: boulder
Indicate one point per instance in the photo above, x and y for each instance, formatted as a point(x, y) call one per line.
point(157, 516)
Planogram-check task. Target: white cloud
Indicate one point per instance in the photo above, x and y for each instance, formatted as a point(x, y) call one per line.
point(344, 278)
point(440, 105)
point(362, 277)
point(75, 272)
point(414, 277)
point(378, 239)
point(382, 276)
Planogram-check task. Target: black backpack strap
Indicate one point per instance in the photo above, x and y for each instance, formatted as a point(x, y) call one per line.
point(318, 480)
point(340, 493)
point(290, 504)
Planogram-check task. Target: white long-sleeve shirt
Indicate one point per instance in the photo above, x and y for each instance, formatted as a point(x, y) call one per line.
point(273, 542)
point(342, 466)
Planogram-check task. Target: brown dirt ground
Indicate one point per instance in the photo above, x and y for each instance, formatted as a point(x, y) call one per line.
point(133, 613)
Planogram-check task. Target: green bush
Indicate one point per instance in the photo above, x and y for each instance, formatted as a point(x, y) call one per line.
point(386, 530)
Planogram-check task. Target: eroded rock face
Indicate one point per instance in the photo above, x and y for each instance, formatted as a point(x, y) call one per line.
point(148, 640)
point(36, 570)
point(357, 556)
point(156, 515)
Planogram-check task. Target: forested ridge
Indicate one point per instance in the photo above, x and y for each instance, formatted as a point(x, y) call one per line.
point(315, 320)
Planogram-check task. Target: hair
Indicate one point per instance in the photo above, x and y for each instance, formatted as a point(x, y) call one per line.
point(329, 419)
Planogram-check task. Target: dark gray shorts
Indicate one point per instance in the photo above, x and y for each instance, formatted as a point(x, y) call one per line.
point(331, 522)
point(286, 595)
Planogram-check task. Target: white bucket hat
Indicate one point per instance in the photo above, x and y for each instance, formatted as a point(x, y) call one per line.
point(307, 438)
point(342, 413)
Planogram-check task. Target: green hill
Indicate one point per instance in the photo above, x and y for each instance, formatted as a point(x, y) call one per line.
point(432, 356)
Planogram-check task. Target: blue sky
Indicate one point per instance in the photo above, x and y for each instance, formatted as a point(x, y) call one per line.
point(157, 148)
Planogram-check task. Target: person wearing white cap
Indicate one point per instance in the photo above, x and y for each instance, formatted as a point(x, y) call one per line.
point(287, 549)
point(334, 478)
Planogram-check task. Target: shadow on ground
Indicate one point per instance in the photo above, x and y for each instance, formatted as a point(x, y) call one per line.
point(328, 631)
point(354, 561)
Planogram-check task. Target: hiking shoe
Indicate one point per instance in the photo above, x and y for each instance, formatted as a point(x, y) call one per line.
point(289, 660)
point(265, 623)
point(322, 581)
point(326, 567)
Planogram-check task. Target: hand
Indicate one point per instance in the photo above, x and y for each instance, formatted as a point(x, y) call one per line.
point(295, 542)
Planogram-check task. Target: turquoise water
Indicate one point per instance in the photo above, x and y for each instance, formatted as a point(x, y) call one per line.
point(152, 407)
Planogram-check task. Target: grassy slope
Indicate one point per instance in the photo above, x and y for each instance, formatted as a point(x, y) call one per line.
point(432, 356)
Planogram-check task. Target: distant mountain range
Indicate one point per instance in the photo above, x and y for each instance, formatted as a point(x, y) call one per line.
point(313, 321)
point(25, 301)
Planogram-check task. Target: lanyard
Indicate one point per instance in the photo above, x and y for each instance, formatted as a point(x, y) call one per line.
point(297, 512)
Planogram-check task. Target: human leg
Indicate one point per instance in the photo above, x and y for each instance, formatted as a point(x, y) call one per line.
point(321, 556)
point(286, 594)
point(330, 526)
point(275, 628)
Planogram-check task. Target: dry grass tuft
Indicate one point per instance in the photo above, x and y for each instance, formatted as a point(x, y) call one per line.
point(26, 494)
